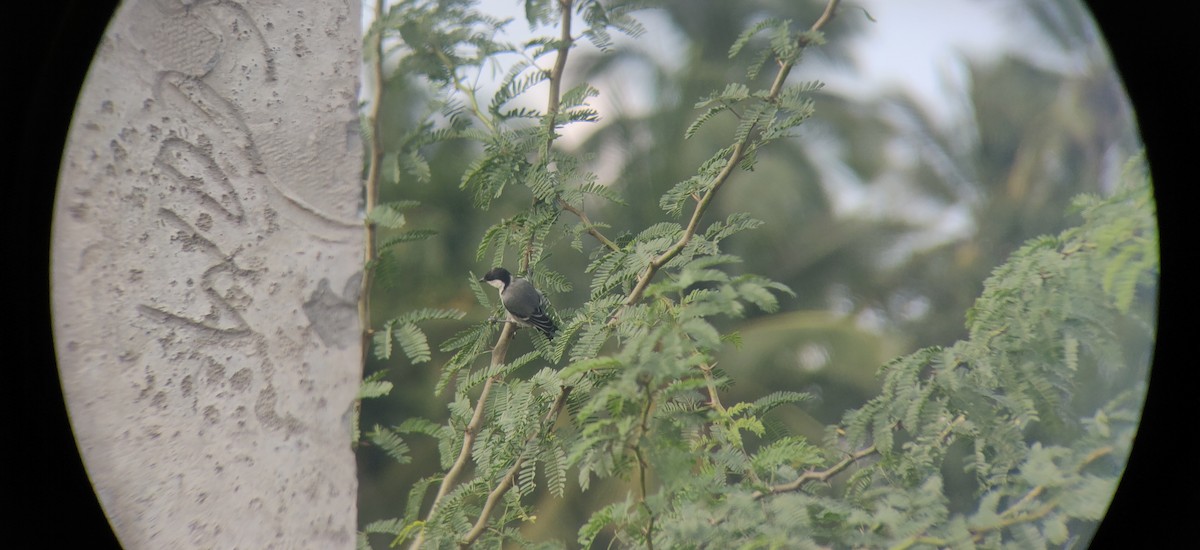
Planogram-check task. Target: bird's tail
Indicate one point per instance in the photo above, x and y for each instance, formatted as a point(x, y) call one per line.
point(544, 323)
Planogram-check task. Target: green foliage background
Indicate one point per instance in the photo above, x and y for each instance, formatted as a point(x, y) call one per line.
point(1011, 430)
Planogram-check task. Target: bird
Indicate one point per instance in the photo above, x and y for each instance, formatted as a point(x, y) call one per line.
point(524, 304)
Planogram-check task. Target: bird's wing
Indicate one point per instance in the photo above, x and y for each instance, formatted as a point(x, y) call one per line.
point(525, 303)
point(523, 299)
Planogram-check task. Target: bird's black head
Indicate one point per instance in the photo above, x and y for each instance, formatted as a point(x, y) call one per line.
point(497, 274)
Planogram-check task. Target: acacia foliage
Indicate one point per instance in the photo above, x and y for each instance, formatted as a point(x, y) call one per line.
point(629, 388)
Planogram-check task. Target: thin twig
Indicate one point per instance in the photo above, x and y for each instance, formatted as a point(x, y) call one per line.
point(556, 73)
point(824, 475)
point(715, 402)
point(591, 228)
point(553, 105)
point(817, 475)
point(713, 398)
point(556, 76)
point(1039, 489)
point(375, 151)
point(464, 89)
point(642, 466)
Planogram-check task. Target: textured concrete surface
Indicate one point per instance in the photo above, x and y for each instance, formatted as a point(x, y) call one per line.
point(207, 248)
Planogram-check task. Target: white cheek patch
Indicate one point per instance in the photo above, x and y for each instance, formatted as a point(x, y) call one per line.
point(496, 283)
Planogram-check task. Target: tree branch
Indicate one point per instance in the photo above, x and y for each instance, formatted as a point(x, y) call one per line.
point(643, 428)
point(1009, 516)
point(371, 185)
point(556, 73)
point(591, 228)
point(510, 476)
point(1038, 490)
point(824, 475)
point(501, 350)
point(817, 475)
point(735, 157)
point(462, 88)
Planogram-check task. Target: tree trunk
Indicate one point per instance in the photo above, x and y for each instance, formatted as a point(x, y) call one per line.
point(207, 248)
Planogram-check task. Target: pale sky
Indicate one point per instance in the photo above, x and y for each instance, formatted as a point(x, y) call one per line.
point(917, 46)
